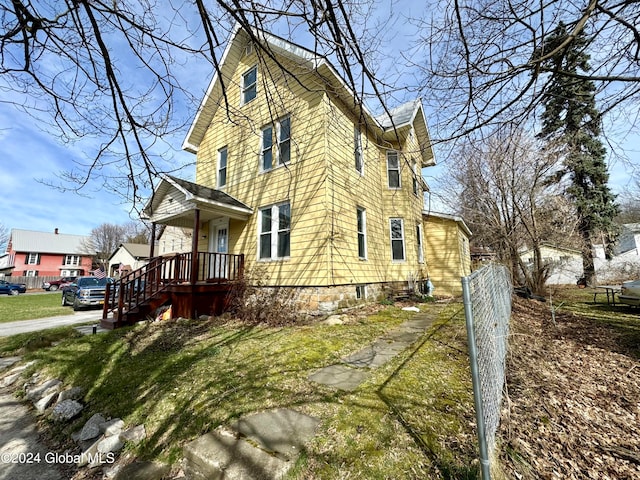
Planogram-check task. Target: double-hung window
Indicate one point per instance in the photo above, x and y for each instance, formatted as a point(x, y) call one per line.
point(357, 150)
point(249, 84)
point(393, 169)
point(222, 167)
point(397, 239)
point(275, 232)
point(282, 154)
point(71, 260)
point(362, 233)
point(33, 259)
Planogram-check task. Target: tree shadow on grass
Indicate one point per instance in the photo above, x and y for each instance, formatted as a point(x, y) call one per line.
point(444, 397)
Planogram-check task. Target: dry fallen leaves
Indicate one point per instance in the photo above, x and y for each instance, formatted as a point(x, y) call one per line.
point(573, 405)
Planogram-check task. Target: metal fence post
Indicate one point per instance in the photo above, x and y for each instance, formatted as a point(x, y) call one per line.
point(477, 393)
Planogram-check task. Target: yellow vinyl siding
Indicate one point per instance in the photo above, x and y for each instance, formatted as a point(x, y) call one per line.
point(348, 190)
point(302, 182)
point(320, 183)
point(445, 255)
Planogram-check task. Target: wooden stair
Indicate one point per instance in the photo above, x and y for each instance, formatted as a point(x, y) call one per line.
point(183, 280)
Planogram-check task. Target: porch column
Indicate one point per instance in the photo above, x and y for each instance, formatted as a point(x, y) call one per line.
point(194, 246)
point(152, 249)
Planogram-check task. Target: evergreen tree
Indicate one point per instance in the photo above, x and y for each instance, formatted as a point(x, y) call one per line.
point(571, 122)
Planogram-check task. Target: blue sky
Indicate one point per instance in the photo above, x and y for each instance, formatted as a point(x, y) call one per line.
point(29, 154)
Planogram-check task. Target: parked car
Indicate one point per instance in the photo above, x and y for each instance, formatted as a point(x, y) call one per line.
point(85, 292)
point(54, 285)
point(12, 288)
point(630, 293)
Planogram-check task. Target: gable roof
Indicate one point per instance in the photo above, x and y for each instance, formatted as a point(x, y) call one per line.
point(137, 250)
point(402, 117)
point(453, 218)
point(190, 196)
point(46, 242)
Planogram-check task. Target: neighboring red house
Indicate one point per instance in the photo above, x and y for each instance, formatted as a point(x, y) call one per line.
point(38, 254)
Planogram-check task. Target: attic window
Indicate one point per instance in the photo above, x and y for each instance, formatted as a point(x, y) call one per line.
point(248, 49)
point(249, 84)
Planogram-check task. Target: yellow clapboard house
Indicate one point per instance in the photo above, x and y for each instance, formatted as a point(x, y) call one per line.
point(313, 190)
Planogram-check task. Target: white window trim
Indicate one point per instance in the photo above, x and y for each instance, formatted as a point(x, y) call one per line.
point(363, 233)
point(244, 88)
point(394, 152)
point(226, 167)
point(362, 290)
point(391, 239)
point(36, 258)
point(75, 260)
point(275, 230)
point(357, 150)
point(276, 161)
point(416, 182)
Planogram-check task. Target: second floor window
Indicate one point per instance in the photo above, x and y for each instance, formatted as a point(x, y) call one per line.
point(282, 151)
point(393, 169)
point(357, 150)
point(222, 167)
point(249, 85)
point(32, 259)
point(415, 180)
point(275, 232)
point(71, 260)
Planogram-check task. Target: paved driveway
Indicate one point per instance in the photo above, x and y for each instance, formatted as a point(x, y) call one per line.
point(11, 328)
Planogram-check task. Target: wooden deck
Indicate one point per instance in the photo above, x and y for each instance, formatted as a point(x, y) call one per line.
point(191, 285)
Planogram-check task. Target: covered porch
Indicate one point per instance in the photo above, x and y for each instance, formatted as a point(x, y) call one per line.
point(194, 283)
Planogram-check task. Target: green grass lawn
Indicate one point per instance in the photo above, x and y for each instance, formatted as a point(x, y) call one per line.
point(623, 321)
point(413, 418)
point(27, 307)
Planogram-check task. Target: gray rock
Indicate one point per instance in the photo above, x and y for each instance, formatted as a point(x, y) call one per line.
point(88, 454)
point(44, 389)
point(110, 444)
point(9, 379)
point(74, 393)
point(334, 320)
point(134, 434)
point(91, 429)
point(112, 427)
point(6, 362)
point(13, 374)
point(45, 402)
point(66, 410)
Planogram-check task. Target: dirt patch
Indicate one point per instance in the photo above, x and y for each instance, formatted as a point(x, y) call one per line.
point(573, 404)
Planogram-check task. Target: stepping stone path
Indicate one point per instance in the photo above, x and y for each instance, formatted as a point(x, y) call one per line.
point(260, 446)
point(264, 446)
point(354, 369)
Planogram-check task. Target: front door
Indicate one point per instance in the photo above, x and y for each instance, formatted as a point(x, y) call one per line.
point(219, 244)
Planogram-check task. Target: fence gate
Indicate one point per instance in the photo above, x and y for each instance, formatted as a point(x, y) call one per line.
point(487, 307)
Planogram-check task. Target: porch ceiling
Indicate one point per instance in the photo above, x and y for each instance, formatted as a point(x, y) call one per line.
point(175, 201)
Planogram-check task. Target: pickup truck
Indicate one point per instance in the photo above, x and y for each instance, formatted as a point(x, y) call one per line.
point(54, 285)
point(85, 292)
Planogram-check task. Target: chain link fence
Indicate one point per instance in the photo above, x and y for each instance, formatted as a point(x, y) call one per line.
point(487, 304)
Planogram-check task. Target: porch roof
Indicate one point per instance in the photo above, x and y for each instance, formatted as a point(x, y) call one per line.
point(174, 202)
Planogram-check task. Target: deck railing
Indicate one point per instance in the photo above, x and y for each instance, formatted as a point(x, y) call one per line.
point(147, 282)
